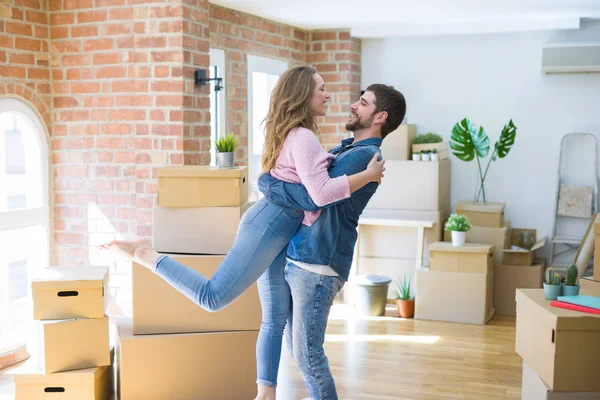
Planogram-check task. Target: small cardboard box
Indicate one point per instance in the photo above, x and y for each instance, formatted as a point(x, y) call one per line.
point(590, 286)
point(192, 230)
point(31, 383)
point(216, 365)
point(412, 185)
point(534, 388)
point(561, 346)
point(472, 258)
point(522, 257)
point(454, 296)
point(68, 345)
point(202, 186)
point(70, 292)
point(159, 308)
point(509, 278)
point(499, 237)
point(490, 214)
point(397, 144)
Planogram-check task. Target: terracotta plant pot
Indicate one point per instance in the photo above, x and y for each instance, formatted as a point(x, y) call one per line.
point(406, 308)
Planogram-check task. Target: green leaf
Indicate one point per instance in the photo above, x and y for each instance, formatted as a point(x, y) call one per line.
point(507, 139)
point(467, 140)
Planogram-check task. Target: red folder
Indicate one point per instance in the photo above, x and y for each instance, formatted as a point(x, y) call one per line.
point(569, 306)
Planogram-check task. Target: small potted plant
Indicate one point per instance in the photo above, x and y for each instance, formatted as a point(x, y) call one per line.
point(552, 284)
point(425, 155)
point(404, 303)
point(459, 225)
point(416, 155)
point(569, 287)
point(226, 147)
point(434, 155)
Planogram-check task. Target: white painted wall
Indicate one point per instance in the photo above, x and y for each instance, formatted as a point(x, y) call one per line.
point(492, 78)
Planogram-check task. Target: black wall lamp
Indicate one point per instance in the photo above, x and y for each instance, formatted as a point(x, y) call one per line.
point(201, 79)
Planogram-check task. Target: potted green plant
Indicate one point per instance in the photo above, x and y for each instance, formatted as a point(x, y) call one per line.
point(552, 284)
point(428, 141)
point(404, 302)
point(425, 155)
point(416, 156)
point(570, 286)
point(458, 225)
point(469, 142)
point(434, 155)
point(226, 149)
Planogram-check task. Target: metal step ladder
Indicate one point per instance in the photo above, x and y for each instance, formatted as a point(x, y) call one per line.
point(573, 208)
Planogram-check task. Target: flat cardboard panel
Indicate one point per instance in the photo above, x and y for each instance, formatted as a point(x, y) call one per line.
point(193, 230)
point(490, 215)
point(192, 189)
point(159, 308)
point(499, 237)
point(397, 144)
point(75, 344)
point(70, 292)
point(560, 345)
point(534, 388)
point(590, 287)
point(454, 296)
point(411, 185)
point(220, 365)
point(473, 258)
point(507, 278)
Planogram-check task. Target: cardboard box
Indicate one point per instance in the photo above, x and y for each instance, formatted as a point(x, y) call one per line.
point(509, 278)
point(534, 388)
point(596, 271)
point(202, 186)
point(192, 230)
point(68, 345)
point(499, 237)
point(84, 384)
point(219, 365)
point(375, 239)
point(590, 286)
point(70, 292)
point(561, 346)
point(454, 296)
point(472, 258)
point(490, 214)
point(411, 185)
point(397, 144)
point(441, 148)
point(522, 257)
point(159, 308)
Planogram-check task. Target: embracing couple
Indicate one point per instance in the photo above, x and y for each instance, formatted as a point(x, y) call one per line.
point(297, 242)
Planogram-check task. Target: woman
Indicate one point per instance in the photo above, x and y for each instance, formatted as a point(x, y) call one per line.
point(293, 154)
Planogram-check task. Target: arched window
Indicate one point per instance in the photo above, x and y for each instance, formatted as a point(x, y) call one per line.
point(24, 215)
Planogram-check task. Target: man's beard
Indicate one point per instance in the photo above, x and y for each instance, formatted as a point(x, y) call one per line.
point(358, 124)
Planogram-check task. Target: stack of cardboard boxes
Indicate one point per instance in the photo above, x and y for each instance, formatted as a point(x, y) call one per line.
point(591, 285)
point(411, 190)
point(72, 359)
point(172, 348)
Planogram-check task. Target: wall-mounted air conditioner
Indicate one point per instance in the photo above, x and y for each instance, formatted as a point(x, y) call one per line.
point(565, 58)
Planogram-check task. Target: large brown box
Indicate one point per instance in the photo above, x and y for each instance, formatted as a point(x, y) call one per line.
point(590, 286)
point(31, 383)
point(596, 271)
point(198, 366)
point(509, 278)
point(202, 186)
point(490, 214)
point(412, 185)
point(561, 346)
point(473, 258)
point(397, 144)
point(70, 292)
point(454, 296)
point(159, 308)
point(522, 257)
point(499, 237)
point(68, 345)
point(534, 388)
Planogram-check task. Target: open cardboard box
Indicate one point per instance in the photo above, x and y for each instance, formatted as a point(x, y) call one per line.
point(522, 257)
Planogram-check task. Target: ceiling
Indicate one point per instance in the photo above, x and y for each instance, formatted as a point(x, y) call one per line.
point(385, 18)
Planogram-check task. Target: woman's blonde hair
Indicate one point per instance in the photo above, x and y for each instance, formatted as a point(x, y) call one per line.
point(289, 108)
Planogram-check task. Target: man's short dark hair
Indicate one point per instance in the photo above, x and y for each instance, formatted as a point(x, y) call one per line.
point(391, 101)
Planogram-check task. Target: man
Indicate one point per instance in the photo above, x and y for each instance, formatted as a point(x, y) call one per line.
point(319, 257)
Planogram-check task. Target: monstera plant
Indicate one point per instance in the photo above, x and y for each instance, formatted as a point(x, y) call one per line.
point(469, 141)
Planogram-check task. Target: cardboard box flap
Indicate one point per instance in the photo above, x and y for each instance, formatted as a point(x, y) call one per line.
point(537, 245)
point(559, 318)
point(84, 277)
point(466, 248)
point(199, 171)
point(494, 208)
point(596, 226)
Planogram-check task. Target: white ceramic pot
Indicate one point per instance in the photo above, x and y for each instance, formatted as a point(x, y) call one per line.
point(435, 156)
point(425, 156)
point(458, 238)
point(416, 157)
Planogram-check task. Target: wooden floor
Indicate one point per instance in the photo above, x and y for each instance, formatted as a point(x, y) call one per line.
point(391, 358)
